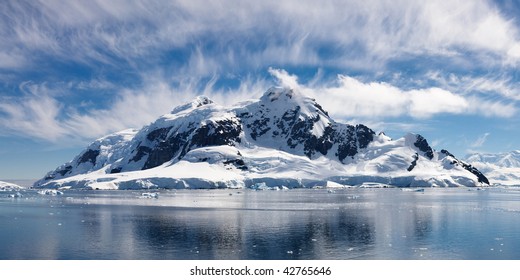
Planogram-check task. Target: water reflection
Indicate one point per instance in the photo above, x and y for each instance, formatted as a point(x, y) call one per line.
point(298, 224)
point(228, 234)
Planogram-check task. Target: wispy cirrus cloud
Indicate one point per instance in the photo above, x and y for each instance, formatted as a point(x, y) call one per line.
point(498, 85)
point(41, 114)
point(480, 140)
point(355, 34)
point(132, 61)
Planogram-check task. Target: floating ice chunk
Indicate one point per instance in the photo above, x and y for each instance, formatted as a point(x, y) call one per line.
point(50, 192)
point(373, 185)
point(259, 186)
point(334, 185)
point(412, 190)
point(149, 195)
point(15, 195)
point(264, 187)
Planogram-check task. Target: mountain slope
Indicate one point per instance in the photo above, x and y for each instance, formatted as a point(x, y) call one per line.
point(8, 186)
point(502, 168)
point(284, 138)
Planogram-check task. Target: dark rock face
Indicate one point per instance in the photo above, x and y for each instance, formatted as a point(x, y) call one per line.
point(364, 135)
point(259, 128)
point(293, 129)
point(169, 143)
point(222, 132)
point(238, 163)
point(414, 162)
point(424, 147)
point(115, 170)
point(447, 153)
point(141, 152)
point(89, 155)
point(165, 149)
point(349, 138)
point(65, 170)
point(352, 139)
point(481, 177)
point(300, 133)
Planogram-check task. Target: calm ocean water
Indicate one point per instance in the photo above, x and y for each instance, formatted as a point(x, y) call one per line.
point(246, 224)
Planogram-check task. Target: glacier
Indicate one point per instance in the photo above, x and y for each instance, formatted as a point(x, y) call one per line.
point(503, 169)
point(282, 140)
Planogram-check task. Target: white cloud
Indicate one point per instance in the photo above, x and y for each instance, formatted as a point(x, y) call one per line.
point(9, 60)
point(352, 97)
point(491, 84)
point(40, 114)
point(359, 34)
point(284, 78)
point(33, 116)
point(480, 140)
point(489, 108)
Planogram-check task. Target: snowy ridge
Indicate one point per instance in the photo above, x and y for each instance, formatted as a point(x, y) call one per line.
point(501, 168)
point(283, 139)
point(5, 186)
point(101, 153)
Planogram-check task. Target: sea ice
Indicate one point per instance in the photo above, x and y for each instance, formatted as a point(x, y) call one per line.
point(16, 195)
point(50, 192)
point(149, 195)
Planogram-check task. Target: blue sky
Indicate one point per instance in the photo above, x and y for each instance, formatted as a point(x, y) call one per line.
point(73, 71)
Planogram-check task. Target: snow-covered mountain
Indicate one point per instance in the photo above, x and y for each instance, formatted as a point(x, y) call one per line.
point(501, 168)
point(8, 186)
point(282, 139)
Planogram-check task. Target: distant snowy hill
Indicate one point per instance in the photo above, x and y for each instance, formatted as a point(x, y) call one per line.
point(8, 186)
point(282, 139)
point(502, 168)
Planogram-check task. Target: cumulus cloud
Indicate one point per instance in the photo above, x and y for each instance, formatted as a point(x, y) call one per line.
point(285, 79)
point(351, 97)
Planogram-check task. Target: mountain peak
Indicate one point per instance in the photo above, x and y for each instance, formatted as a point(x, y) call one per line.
point(278, 93)
point(282, 99)
point(199, 101)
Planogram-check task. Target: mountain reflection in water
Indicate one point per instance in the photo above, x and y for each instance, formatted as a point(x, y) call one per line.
point(245, 224)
